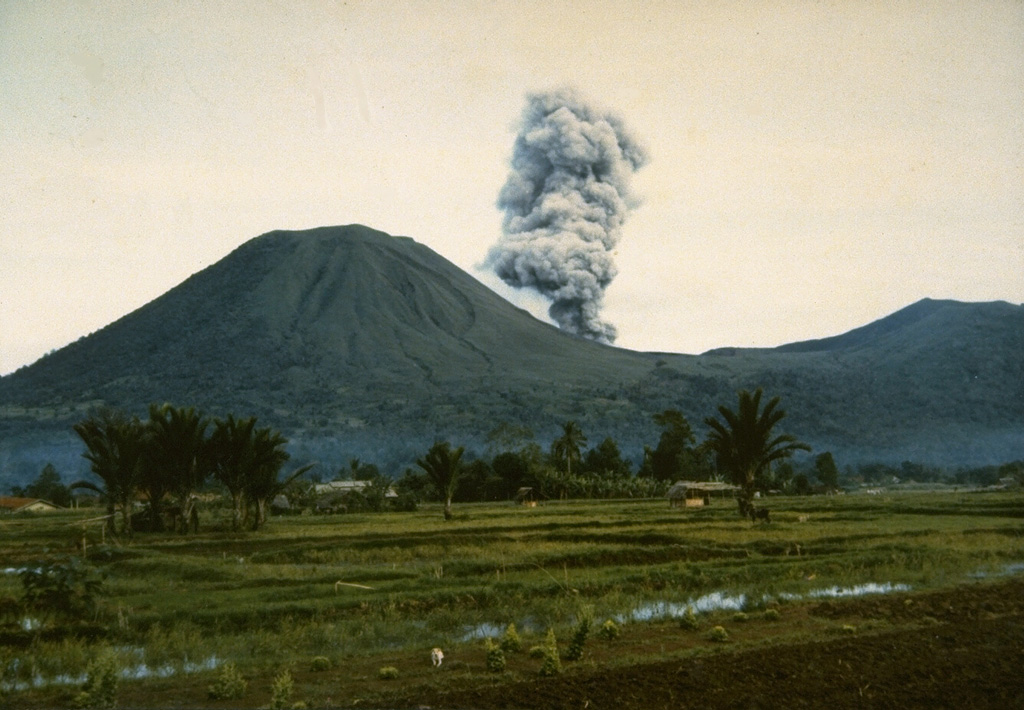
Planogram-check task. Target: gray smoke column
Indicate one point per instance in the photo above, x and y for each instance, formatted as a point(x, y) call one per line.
point(565, 202)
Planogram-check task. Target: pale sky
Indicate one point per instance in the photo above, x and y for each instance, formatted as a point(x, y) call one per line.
point(813, 165)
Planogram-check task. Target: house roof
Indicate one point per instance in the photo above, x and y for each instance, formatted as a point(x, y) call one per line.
point(525, 493)
point(322, 489)
point(13, 504)
point(680, 488)
point(340, 486)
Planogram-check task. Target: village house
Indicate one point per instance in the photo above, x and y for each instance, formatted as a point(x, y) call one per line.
point(26, 505)
point(333, 496)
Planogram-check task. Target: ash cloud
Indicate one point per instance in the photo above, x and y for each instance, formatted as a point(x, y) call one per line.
point(565, 202)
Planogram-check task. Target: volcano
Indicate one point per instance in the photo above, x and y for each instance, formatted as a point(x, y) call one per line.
point(357, 343)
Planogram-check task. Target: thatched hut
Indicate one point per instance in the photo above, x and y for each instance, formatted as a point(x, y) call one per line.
point(526, 496)
point(697, 494)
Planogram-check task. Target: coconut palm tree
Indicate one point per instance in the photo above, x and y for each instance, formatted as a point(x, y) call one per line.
point(744, 444)
point(443, 466)
point(569, 445)
point(114, 448)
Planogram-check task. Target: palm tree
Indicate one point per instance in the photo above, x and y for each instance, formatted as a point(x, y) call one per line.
point(568, 446)
point(153, 482)
point(744, 445)
point(114, 446)
point(443, 466)
point(180, 455)
point(261, 483)
point(233, 458)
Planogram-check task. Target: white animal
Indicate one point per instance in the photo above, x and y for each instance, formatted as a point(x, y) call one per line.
point(436, 656)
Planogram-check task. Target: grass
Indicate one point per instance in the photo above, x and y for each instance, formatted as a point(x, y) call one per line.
point(270, 600)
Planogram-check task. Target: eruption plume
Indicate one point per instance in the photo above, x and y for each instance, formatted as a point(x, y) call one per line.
point(565, 202)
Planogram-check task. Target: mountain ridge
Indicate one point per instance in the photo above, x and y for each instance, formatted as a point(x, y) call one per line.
point(355, 342)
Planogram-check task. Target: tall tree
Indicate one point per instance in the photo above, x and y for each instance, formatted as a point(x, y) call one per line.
point(154, 483)
point(443, 466)
point(567, 448)
point(675, 456)
point(513, 469)
point(744, 444)
point(233, 458)
point(826, 470)
point(262, 484)
point(48, 486)
point(180, 456)
point(114, 447)
point(605, 459)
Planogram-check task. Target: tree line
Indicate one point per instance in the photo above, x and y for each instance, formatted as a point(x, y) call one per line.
point(166, 459)
point(742, 446)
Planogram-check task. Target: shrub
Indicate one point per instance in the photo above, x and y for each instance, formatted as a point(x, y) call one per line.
point(281, 691)
point(740, 617)
point(495, 657)
point(230, 684)
point(100, 687)
point(579, 637)
point(537, 652)
point(510, 642)
point(321, 663)
point(62, 590)
point(718, 634)
point(388, 673)
point(552, 665)
point(772, 614)
point(689, 620)
point(848, 629)
point(405, 503)
point(609, 631)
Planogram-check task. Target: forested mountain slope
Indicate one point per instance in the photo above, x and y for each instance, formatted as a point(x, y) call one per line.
point(356, 343)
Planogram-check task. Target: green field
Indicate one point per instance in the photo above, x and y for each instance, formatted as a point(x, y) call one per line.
point(375, 590)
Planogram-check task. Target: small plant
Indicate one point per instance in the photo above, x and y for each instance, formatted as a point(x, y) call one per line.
point(609, 630)
point(689, 620)
point(230, 684)
point(495, 656)
point(320, 664)
point(100, 687)
point(552, 664)
point(718, 634)
point(537, 652)
point(740, 617)
point(849, 629)
point(510, 642)
point(579, 637)
point(281, 691)
point(772, 615)
point(388, 673)
point(65, 590)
